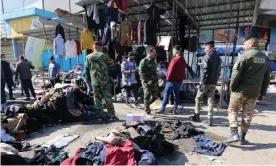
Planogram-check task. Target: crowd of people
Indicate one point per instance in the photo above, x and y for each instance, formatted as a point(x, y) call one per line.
point(251, 71)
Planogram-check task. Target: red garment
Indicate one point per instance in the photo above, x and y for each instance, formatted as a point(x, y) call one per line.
point(78, 47)
point(72, 160)
point(176, 69)
point(120, 155)
point(139, 36)
point(122, 4)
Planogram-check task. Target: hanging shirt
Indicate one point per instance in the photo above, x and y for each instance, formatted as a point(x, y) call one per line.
point(58, 45)
point(92, 10)
point(87, 41)
point(60, 30)
point(71, 49)
point(126, 34)
point(139, 33)
point(78, 47)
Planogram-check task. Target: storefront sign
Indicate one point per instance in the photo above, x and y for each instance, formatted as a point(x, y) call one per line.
point(263, 36)
point(222, 34)
point(272, 43)
point(205, 36)
point(243, 31)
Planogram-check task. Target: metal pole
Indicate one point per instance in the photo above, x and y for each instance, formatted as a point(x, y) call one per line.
point(43, 7)
point(227, 43)
point(2, 3)
point(189, 36)
point(172, 41)
point(70, 6)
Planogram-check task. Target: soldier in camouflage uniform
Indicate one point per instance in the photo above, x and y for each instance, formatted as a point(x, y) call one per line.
point(249, 83)
point(99, 64)
point(148, 76)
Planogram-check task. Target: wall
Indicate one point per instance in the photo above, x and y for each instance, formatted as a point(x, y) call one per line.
point(20, 24)
point(66, 64)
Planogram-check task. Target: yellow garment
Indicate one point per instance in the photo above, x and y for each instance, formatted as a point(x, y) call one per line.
point(87, 41)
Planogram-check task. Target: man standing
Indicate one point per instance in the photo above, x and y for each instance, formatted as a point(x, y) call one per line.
point(99, 64)
point(210, 71)
point(87, 79)
point(53, 71)
point(7, 76)
point(175, 76)
point(249, 82)
point(23, 68)
point(149, 78)
point(129, 82)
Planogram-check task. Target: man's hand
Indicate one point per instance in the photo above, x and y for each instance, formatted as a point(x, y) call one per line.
point(261, 98)
point(150, 83)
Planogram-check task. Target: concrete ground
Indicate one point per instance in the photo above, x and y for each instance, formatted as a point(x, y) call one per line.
point(262, 135)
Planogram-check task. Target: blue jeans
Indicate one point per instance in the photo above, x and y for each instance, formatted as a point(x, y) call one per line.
point(169, 88)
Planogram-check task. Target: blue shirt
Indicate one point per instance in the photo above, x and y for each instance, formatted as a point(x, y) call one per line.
point(53, 69)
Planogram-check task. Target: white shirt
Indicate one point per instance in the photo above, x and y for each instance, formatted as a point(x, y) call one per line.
point(71, 49)
point(59, 45)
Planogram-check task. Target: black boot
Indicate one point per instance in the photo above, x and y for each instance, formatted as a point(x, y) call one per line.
point(243, 141)
point(195, 118)
point(209, 122)
point(147, 110)
point(234, 137)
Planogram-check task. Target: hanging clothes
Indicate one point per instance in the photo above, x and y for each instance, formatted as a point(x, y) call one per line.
point(181, 29)
point(112, 11)
point(106, 34)
point(60, 30)
point(87, 40)
point(71, 49)
point(122, 4)
point(92, 10)
point(78, 47)
point(58, 45)
point(154, 14)
point(126, 34)
point(150, 31)
point(139, 33)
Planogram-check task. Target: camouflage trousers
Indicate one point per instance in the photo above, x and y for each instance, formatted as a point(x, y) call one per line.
point(210, 92)
point(102, 93)
point(150, 94)
point(245, 104)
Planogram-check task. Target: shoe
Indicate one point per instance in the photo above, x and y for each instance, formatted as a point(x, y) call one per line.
point(234, 137)
point(209, 122)
point(159, 112)
point(28, 99)
point(148, 111)
point(243, 141)
point(195, 118)
point(12, 98)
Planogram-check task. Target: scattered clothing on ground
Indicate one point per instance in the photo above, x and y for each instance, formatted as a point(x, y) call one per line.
point(205, 145)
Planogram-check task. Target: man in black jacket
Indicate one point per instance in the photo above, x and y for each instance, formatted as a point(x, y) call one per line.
point(7, 76)
point(209, 77)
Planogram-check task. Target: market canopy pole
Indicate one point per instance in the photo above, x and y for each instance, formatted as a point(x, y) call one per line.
point(226, 52)
point(255, 14)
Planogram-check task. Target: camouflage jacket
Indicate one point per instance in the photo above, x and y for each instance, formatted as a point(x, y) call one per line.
point(98, 63)
point(251, 73)
point(147, 71)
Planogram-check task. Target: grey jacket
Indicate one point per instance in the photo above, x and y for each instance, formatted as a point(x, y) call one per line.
point(211, 67)
point(23, 68)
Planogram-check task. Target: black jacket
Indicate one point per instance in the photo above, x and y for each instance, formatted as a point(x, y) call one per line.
point(6, 70)
point(210, 69)
point(150, 30)
point(60, 30)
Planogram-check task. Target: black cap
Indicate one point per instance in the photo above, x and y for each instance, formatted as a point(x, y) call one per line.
point(211, 43)
point(251, 36)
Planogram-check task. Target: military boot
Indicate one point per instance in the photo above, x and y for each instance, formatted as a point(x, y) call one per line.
point(209, 122)
point(234, 137)
point(195, 118)
point(243, 141)
point(147, 110)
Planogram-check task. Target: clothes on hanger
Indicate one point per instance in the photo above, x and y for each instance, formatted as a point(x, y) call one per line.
point(58, 45)
point(60, 30)
point(150, 30)
point(122, 4)
point(87, 40)
point(106, 34)
point(154, 14)
point(92, 10)
point(112, 11)
point(71, 49)
point(126, 34)
point(139, 33)
point(78, 47)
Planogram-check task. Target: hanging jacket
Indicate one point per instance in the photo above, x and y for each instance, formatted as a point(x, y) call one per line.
point(122, 4)
point(139, 33)
point(59, 45)
point(150, 31)
point(71, 49)
point(126, 34)
point(106, 34)
point(112, 11)
point(87, 40)
point(60, 30)
point(154, 14)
